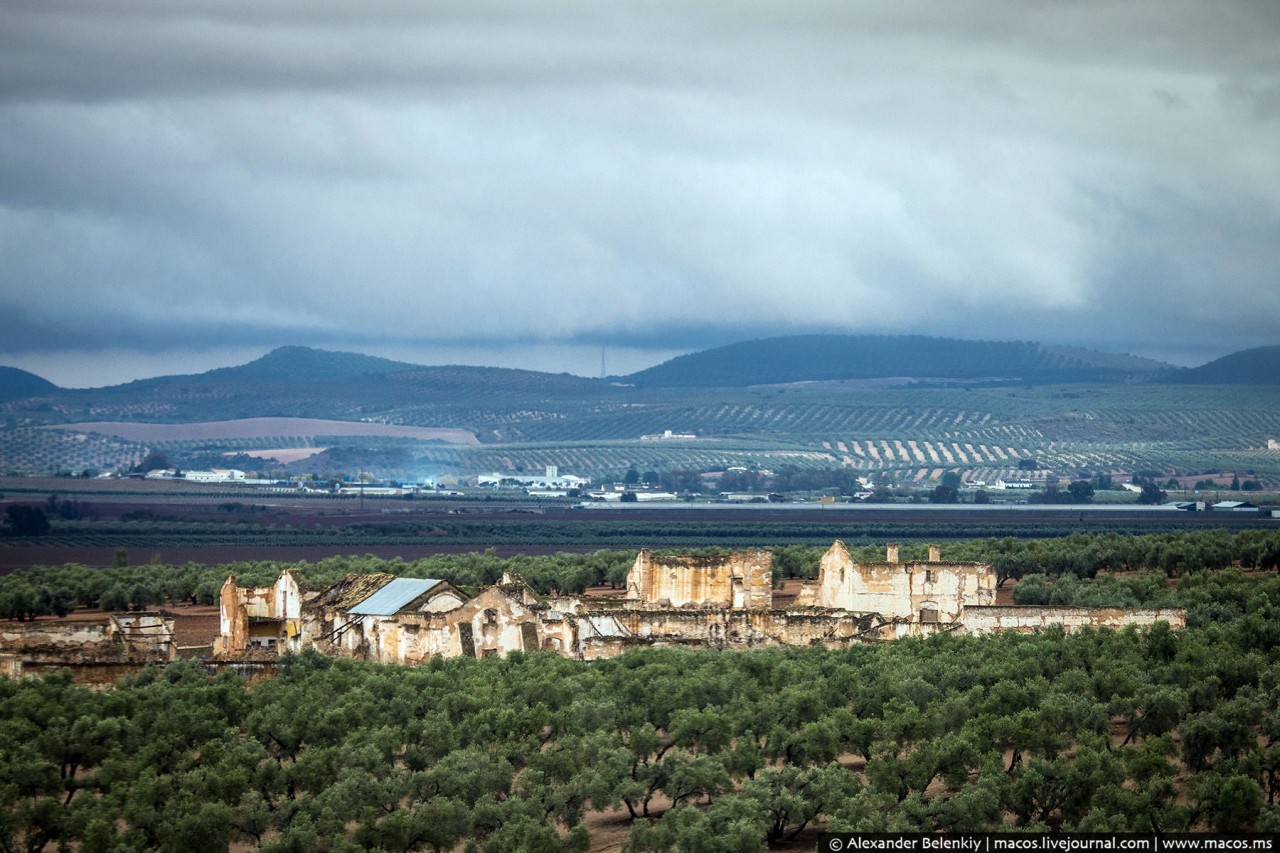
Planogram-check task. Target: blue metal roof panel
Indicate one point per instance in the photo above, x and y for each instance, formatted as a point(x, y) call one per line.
point(392, 597)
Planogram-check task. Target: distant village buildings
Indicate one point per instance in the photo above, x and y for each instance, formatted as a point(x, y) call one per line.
point(214, 475)
point(550, 481)
point(668, 435)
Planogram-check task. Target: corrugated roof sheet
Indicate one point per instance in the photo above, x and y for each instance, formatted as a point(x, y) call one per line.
point(392, 597)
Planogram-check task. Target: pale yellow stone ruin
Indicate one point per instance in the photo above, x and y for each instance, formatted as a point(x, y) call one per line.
point(741, 581)
point(928, 592)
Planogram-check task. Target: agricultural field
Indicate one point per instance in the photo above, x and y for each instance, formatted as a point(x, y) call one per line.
point(30, 450)
point(907, 434)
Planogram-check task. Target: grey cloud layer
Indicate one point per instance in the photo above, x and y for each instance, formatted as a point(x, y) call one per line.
point(1097, 172)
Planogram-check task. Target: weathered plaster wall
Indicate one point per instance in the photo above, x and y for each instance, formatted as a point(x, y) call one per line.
point(443, 603)
point(741, 581)
point(405, 638)
point(233, 634)
point(133, 638)
point(497, 619)
point(984, 620)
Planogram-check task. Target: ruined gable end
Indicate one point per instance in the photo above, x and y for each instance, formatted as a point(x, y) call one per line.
point(742, 580)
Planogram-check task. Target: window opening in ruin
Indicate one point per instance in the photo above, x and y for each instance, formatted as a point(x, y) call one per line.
point(928, 576)
point(928, 614)
point(491, 617)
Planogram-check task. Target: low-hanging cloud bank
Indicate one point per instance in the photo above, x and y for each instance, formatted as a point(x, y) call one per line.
point(645, 173)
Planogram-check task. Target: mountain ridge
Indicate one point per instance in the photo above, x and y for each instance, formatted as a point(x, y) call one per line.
point(810, 358)
point(299, 381)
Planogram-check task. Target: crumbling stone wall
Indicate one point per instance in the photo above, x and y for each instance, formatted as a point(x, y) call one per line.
point(97, 652)
point(1025, 619)
point(406, 638)
point(742, 580)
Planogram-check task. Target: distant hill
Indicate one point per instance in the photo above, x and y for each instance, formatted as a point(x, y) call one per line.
point(304, 364)
point(17, 384)
point(808, 358)
point(308, 383)
point(1260, 366)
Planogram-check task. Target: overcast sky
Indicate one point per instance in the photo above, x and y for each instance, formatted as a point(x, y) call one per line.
point(187, 185)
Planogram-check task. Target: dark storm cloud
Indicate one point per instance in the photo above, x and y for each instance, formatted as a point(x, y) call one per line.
point(638, 173)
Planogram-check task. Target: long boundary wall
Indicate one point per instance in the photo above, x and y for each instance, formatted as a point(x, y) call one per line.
point(1025, 619)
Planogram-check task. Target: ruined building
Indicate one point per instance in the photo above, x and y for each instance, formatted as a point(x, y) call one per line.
point(724, 602)
point(98, 652)
point(924, 593)
point(265, 619)
point(741, 581)
point(408, 620)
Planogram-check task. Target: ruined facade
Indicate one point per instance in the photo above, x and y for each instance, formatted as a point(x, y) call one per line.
point(402, 620)
point(259, 620)
point(929, 592)
point(741, 581)
point(693, 601)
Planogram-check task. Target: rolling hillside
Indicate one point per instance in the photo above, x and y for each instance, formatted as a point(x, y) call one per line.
point(811, 358)
point(309, 383)
point(1260, 366)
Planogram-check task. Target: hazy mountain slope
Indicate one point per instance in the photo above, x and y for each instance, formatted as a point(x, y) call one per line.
point(1260, 366)
point(303, 382)
point(841, 357)
point(16, 384)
